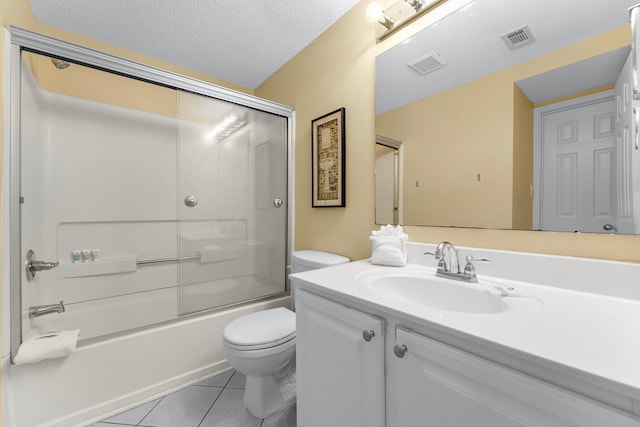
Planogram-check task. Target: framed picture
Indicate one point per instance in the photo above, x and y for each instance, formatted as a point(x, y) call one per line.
point(328, 160)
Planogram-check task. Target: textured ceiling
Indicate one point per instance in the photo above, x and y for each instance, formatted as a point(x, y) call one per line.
point(469, 40)
point(240, 41)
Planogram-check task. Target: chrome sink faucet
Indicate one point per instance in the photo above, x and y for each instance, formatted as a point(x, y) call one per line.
point(449, 265)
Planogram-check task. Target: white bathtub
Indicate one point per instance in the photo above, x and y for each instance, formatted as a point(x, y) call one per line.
point(102, 379)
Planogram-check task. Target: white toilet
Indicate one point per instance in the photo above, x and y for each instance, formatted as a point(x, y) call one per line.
point(262, 346)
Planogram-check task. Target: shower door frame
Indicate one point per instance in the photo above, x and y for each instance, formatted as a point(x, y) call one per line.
point(16, 40)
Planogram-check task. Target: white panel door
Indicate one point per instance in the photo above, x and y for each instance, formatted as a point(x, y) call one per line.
point(386, 172)
point(625, 153)
point(441, 386)
point(579, 164)
point(340, 375)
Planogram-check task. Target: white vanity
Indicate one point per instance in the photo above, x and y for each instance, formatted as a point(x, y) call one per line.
point(539, 341)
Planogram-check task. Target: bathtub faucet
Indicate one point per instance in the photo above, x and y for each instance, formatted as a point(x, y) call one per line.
point(41, 310)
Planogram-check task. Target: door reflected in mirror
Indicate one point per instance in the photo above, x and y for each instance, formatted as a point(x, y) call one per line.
point(473, 131)
point(388, 170)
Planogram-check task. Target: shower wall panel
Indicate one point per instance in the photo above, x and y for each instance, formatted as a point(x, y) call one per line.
point(97, 176)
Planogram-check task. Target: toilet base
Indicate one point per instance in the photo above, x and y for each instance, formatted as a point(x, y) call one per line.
point(263, 395)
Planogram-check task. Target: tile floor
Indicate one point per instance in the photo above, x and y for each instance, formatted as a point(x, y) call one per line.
point(214, 402)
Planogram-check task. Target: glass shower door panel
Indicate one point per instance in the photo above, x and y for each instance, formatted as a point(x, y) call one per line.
point(231, 233)
point(98, 181)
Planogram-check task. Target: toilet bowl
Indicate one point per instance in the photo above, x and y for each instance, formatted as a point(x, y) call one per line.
point(262, 346)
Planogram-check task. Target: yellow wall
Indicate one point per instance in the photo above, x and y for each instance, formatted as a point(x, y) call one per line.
point(338, 70)
point(522, 200)
point(457, 125)
point(97, 85)
point(335, 71)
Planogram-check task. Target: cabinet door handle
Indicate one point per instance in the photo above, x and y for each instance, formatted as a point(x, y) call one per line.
point(400, 350)
point(368, 335)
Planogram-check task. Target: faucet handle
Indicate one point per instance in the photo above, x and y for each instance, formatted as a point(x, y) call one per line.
point(441, 262)
point(469, 269)
point(470, 258)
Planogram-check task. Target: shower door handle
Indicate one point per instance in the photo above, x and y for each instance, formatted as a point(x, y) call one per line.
point(191, 201)
point(32, 265)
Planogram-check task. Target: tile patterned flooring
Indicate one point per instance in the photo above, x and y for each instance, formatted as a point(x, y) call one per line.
point(213, 402)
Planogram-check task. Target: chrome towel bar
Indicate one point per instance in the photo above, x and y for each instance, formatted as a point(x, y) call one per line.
point(162, 260)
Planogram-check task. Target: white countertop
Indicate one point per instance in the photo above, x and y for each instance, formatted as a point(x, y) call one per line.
point(593, 333)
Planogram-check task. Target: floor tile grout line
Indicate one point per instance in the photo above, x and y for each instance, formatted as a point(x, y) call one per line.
point(214, 402)
point(117, 424)
point(223, 388)
point(229, 380)
point(150, 410)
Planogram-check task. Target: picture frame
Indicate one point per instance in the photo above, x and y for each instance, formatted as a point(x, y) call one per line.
point(328, 160)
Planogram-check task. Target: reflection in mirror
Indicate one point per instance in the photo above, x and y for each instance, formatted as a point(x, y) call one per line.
point(474, 131)
point(388, 171)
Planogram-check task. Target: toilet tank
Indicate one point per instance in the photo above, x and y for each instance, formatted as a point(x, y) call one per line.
point(310, 260)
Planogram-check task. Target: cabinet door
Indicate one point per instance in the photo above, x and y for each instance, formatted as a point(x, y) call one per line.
point(340, 375)
point(438, 385)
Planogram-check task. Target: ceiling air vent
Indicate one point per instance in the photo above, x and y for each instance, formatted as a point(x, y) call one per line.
point(427, 63)
point(517, 38)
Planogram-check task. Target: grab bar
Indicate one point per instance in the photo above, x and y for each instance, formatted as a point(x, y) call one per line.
point(161, 260)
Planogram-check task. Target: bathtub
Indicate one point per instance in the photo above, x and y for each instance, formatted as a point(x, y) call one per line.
point(101, 379)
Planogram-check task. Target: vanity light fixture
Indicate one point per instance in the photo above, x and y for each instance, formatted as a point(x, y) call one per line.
point(394, 16)
point(415, 4)
point(375, 13)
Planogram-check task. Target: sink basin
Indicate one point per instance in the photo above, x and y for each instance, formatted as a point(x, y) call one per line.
point(425, 289)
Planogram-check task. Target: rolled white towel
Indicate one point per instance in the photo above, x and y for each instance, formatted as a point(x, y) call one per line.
point(48, 345)
point(388, 246)
point(389, 255)
point(388, 230)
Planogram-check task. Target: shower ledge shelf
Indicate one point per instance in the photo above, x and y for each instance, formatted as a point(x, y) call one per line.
point(102, 267)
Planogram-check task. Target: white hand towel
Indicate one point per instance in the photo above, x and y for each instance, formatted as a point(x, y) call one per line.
point(388, 246)
point(48, 345)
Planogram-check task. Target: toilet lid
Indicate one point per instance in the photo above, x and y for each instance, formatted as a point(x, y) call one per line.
point(262, 328)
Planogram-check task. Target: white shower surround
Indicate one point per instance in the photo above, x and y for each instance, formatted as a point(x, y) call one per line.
point(127, 369)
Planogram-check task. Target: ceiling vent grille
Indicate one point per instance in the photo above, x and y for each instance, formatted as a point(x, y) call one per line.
point(517, 38)
point(427, 63)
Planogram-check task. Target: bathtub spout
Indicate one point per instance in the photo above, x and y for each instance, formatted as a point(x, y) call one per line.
point(41, 310)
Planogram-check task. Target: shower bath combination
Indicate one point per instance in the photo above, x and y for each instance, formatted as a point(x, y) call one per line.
point(141, 250)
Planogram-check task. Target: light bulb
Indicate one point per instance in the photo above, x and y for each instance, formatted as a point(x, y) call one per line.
point(374, 12)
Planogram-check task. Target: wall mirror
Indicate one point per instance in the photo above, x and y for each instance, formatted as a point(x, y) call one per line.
point(473, 100)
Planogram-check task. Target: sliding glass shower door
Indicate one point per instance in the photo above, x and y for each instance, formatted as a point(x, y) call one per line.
point(232, 185)
point(140, 203)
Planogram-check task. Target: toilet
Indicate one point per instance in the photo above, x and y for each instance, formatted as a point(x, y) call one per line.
point(262, 346)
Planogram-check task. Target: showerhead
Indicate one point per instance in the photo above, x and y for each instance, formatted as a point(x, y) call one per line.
point(59, 63)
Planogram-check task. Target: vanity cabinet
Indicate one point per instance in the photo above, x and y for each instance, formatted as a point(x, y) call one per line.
point(340, 365)
point(343, 380)
point(439, 385)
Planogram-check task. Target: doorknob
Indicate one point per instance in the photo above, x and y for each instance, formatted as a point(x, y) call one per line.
point(609, 227)
point(32, 265)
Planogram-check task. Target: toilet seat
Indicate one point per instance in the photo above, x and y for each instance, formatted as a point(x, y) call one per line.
point(261, 330)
